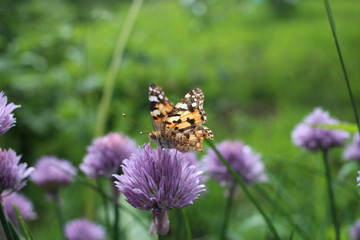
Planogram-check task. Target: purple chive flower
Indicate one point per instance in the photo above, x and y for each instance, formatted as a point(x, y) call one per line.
point(52, 172)
point(23, 204)
point(7, 119)
point(355, 231)
point(352, 152)
point(312, 138)
point(83, 229)
point(159, 180)
point(241, 158)
point(12, 173)
point(106, 154)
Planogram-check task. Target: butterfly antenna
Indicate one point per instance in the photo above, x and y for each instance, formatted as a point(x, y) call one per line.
point(136, 122)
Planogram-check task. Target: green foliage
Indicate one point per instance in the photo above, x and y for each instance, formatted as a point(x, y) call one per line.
point(261, 72)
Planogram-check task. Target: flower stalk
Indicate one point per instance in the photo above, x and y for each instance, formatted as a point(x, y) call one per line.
point(187, 224)
point(58, 211)
point(226, 219)
point(330, 190)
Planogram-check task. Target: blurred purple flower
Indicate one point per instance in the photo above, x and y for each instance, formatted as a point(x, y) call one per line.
point(308, 137)
point(52, 172)
point(355, 231)
point(7, 119)
point(12, 173)
point(352, 152)
point(83, 229)
point(159, 180)
point(106, 154)
point(241, 158)
point(23, 204)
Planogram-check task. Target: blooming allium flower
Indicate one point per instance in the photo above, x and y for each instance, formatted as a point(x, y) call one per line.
point(353, 150)
point(355, 231)
point(12, 173)
point(106, 154)
point(312, 138)
point(159, 180)
point(52, 172)
point(241, 158)
point(7, 119)
point(83, 229)
point(23, 204)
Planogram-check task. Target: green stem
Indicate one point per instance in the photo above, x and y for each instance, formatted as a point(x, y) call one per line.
point(5, 232)
point(59, 214)
point(115, 197)
point(243, 186)
point(226, 219)
point(116, 222)
point(105, 203)
point(338, 49)
point(331, 193)
point(186, 224)
point(114, 66)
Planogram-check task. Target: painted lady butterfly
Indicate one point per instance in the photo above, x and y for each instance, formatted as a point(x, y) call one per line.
point(178, 126)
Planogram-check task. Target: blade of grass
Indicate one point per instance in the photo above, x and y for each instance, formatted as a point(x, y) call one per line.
point(114, 66)
point(343, 67)
point(245, 189)
point(24, 227)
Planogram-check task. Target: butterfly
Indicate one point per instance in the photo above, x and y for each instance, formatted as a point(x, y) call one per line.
point(178, 126)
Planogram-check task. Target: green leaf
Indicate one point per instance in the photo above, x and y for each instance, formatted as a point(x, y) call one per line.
point(349, 127)
point(24, 226)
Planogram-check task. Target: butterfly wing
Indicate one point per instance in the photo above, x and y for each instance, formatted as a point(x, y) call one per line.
point(188, 112)
point(191, 138)
point(160, 106)
point(183, 125)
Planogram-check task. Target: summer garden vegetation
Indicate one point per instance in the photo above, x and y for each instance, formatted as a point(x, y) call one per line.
point(284, 161)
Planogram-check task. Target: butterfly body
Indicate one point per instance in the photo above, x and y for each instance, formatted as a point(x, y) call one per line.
point(178, 126)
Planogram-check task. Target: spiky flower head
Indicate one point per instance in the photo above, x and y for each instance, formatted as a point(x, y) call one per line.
point(106, 154)
point(7, 119)
point(52, 172)
point(310, 137)
point(23, 204)
point(159, 180)
point(355, 231)
point(352, 152)
point(83, 229)
point(12, 173)
point(241, 158)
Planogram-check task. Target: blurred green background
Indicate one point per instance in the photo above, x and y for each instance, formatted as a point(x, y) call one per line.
point(262, 64)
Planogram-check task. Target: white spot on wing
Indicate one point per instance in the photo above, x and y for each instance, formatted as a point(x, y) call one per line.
point(153, 99)
point(181, 105)
point(194, 104)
